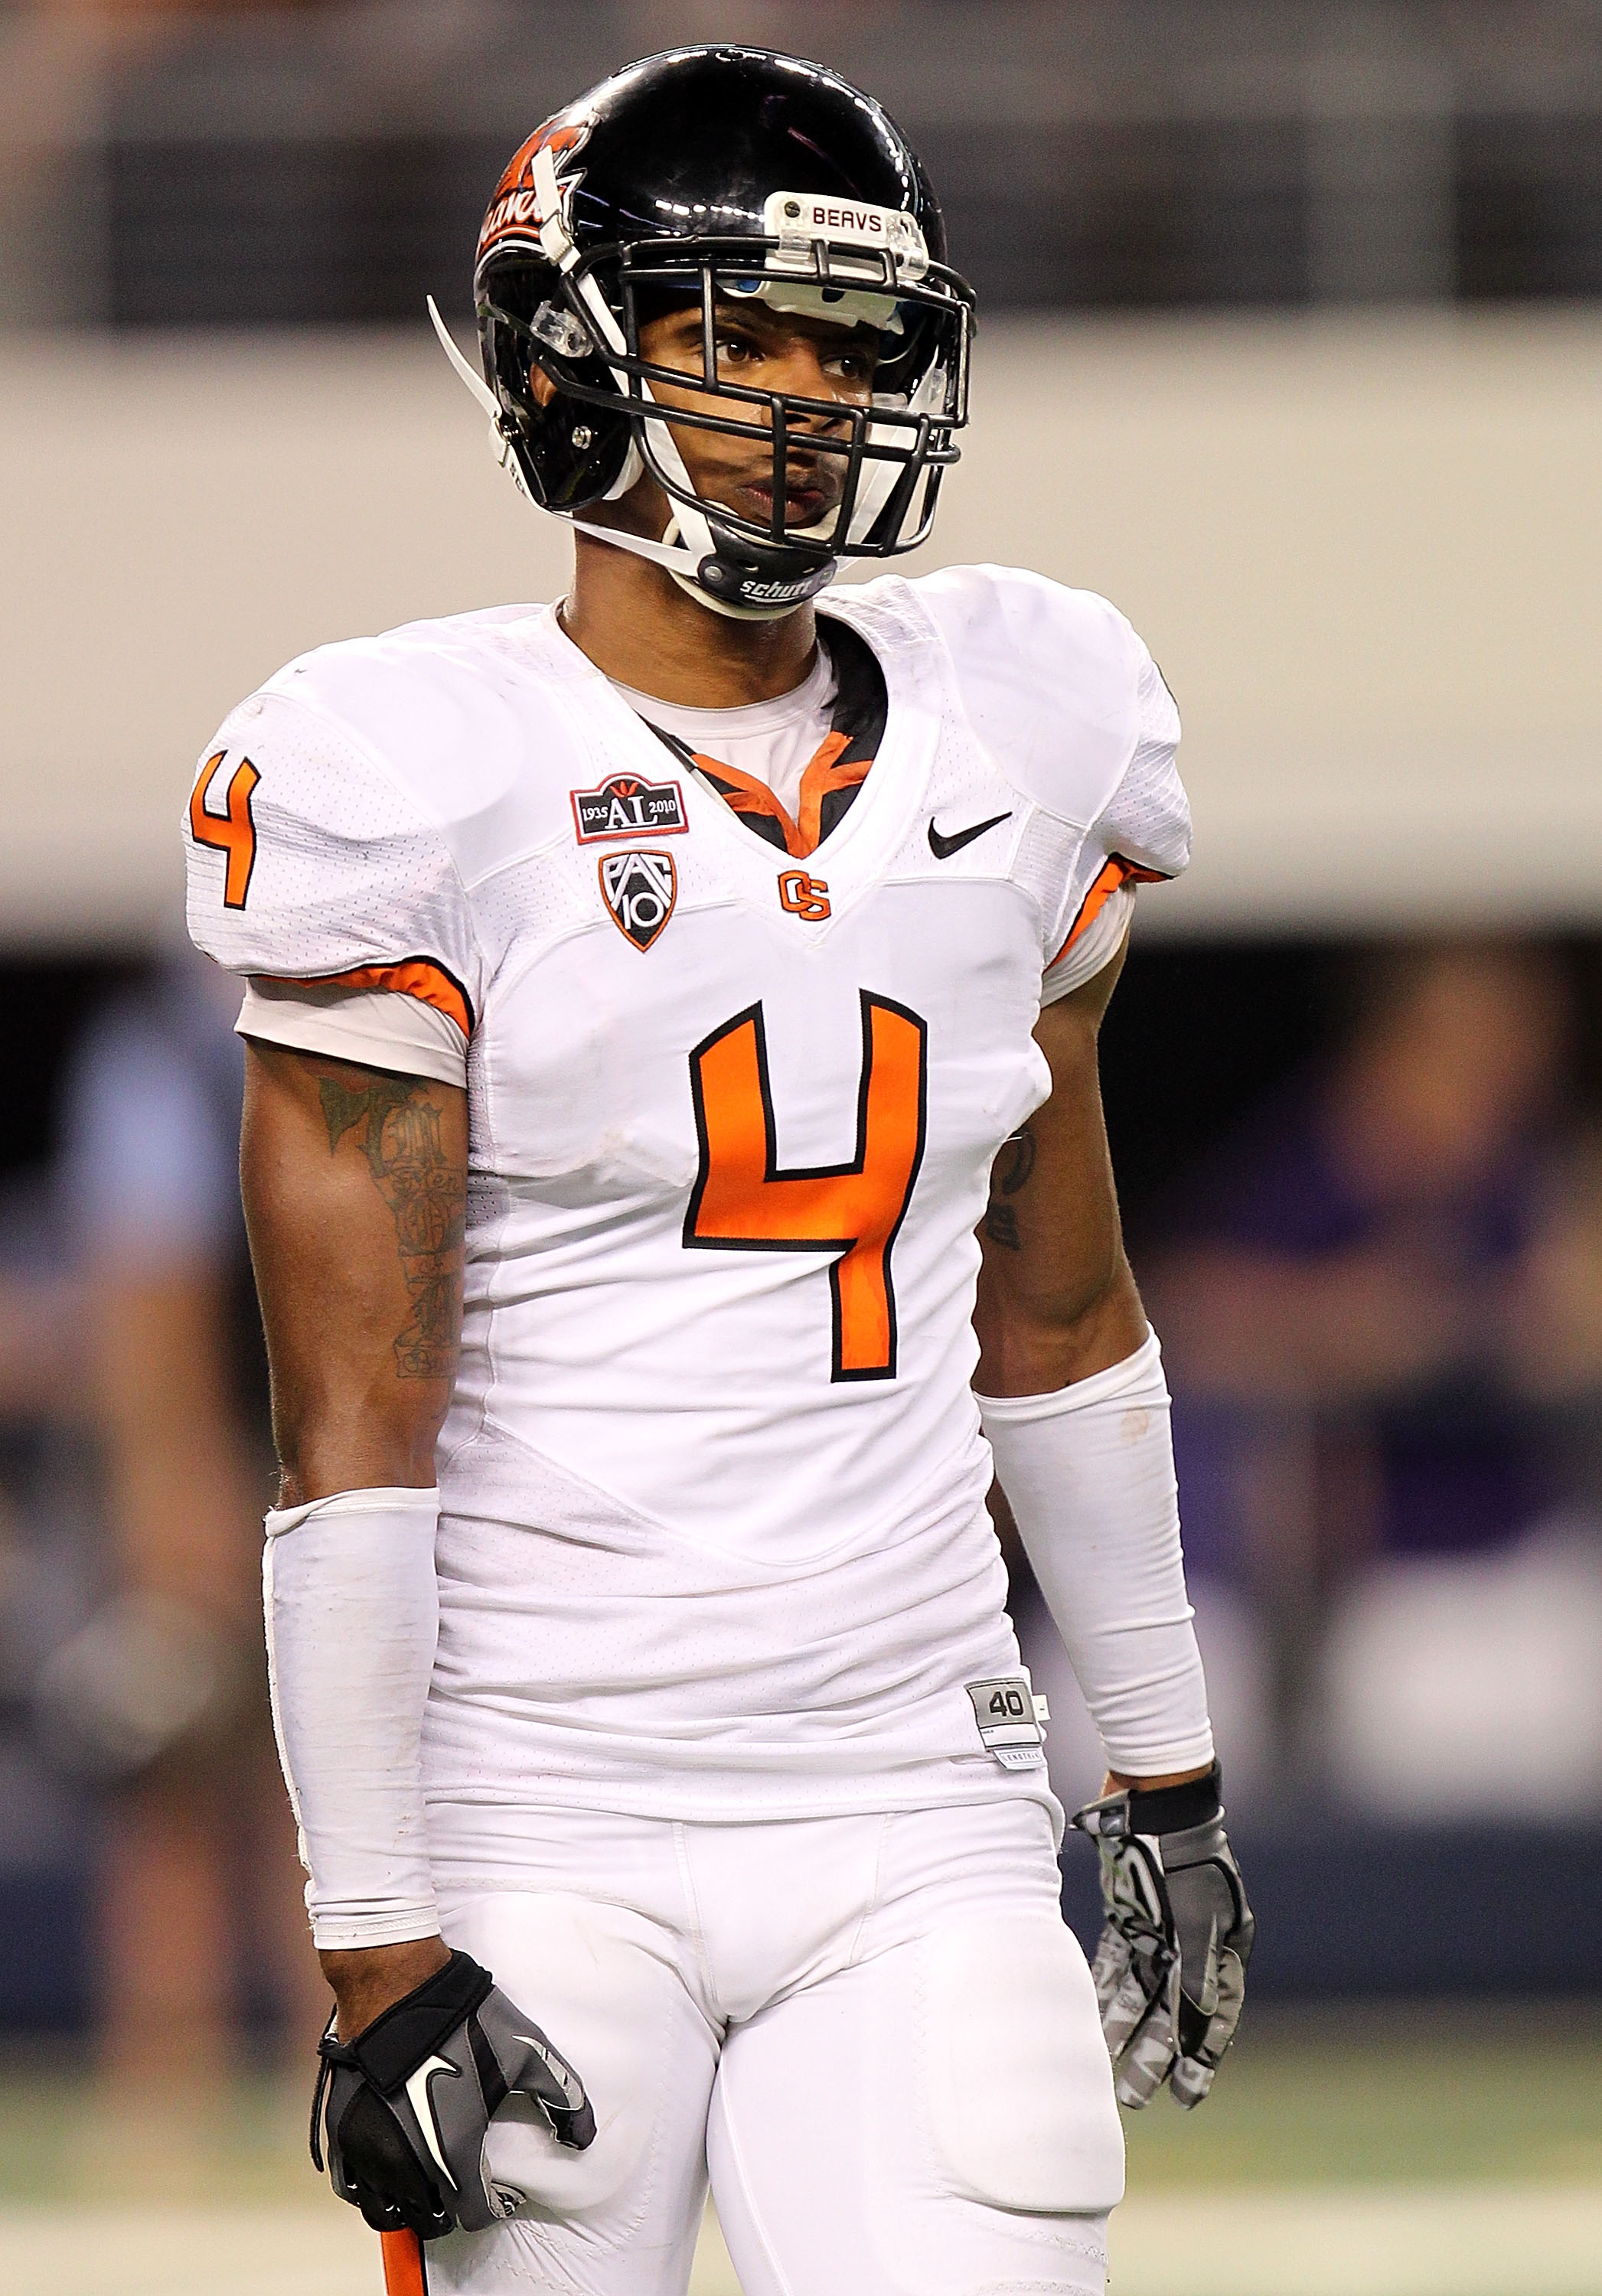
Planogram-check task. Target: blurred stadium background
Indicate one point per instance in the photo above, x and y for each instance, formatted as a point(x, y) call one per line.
point(1291, 344)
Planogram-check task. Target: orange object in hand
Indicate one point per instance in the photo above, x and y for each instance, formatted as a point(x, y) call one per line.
point(403, 2264)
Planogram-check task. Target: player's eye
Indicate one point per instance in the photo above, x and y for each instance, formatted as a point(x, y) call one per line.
point(849, 366)
point(737, 351)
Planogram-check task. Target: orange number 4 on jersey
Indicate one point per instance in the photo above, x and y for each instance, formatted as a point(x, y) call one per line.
point(743, 1201)
point(232, 832)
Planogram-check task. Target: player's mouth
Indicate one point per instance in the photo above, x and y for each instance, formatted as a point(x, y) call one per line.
point(803, 505)
point(806, 501)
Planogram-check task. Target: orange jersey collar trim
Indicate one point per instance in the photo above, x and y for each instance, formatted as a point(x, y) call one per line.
point(744, 794)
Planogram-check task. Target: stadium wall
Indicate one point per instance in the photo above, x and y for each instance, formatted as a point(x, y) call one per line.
point(1366, 550)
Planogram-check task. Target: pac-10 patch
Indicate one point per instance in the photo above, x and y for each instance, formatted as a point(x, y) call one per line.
point(1009, 1717)
point(639, 889)
point(626, 806)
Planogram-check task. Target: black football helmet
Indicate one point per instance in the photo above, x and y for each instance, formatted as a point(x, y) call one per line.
point(711, 176)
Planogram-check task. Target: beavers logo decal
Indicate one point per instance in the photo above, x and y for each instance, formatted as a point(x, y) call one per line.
point(514, 210)
point(639, 889)
point(628, 806)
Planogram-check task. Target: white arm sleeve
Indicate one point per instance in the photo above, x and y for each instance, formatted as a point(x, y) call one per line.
point(352, 1616)
point(1089, 1475)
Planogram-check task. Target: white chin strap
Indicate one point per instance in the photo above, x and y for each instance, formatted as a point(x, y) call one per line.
point(688, 538)
point(691, 526)
point(682, 565)
point(500, 446)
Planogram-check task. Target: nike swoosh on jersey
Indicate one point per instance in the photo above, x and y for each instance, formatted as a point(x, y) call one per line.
point(422, 2106)
point(943, 848)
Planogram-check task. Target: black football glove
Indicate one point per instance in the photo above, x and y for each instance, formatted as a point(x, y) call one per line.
point(1171, 1966)
point(405, 2107)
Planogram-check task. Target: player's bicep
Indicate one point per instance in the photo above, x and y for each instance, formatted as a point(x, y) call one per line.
point(1055, 1290)
point(355, 1188)
point(1055, 1172)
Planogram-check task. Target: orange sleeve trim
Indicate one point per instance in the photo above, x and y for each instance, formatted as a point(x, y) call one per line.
point(419, 977)
point(1118, 872)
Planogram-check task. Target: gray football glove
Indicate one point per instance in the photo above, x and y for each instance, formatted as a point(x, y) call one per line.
point(404, 2107)
point(1171, 1966)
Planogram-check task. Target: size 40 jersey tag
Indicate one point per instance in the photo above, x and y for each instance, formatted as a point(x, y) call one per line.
point(1009, 1717)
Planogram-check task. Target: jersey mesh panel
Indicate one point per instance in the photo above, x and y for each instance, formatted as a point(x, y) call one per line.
point(1148, 814)
point(1049, 859)
point(526, 907)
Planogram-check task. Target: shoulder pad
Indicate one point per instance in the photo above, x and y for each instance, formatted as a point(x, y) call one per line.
point(454, 713)
point(1048, 676)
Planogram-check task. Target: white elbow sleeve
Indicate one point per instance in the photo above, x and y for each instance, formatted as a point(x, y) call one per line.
point(1089, 1475)
point(352, 1617)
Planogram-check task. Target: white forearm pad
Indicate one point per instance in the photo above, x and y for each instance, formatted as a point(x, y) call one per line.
point(1089, 1475)
point(352, 1616)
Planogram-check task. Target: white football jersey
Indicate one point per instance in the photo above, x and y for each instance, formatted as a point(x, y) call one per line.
point(713, 1532)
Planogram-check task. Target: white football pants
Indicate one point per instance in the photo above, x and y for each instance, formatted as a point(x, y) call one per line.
point(875, 2032)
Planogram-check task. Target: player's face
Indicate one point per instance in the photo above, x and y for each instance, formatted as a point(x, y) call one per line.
point(773, 351)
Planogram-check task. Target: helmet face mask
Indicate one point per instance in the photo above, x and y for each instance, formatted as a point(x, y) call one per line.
point(849, 235)
point(904, 436)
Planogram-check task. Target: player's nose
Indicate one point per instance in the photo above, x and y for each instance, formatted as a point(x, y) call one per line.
point(800, 372)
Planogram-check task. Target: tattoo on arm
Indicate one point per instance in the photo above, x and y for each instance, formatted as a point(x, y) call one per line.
point(1011, 1169)
point(399, 1136)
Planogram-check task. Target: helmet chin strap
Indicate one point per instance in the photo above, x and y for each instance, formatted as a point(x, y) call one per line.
point(691, 524)
point(688, 539)
point(473, 382)
point(681, 565)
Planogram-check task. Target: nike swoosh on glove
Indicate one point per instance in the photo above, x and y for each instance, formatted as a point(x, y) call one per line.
point(404, 2109)
point(1171, 1966)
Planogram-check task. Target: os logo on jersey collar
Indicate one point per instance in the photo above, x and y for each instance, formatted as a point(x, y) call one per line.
point(626, 804)
point(639, 889)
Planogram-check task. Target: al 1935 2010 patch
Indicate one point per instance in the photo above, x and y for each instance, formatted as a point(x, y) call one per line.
point(627, 805)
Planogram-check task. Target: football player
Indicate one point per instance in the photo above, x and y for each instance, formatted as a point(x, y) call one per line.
point(645, 997)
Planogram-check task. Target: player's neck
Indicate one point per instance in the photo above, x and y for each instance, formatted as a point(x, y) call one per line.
point(637, 625)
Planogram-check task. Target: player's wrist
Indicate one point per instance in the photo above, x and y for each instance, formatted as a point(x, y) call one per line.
point(1171, 1803)
point(368, 1979)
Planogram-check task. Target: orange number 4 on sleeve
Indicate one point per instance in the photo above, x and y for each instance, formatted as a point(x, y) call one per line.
point(743, 1201)
point(232, 832)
